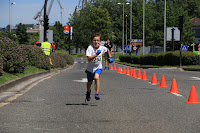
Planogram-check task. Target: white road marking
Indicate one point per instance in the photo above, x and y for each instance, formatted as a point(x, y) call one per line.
point(176, 94)
point(195, 78)
point(84, 80)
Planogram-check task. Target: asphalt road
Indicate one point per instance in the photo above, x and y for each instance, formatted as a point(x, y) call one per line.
point(56, 104)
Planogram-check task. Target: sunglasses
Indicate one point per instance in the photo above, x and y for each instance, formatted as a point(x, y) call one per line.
point(96, 40)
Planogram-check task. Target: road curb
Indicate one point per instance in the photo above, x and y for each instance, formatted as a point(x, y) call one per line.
point(12, 83)
point(6, 86)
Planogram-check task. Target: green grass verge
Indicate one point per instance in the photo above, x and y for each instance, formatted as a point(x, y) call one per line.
point(192, 66)
point(29, 70)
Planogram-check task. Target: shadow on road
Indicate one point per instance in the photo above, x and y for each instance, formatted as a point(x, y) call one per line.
point(80, 104)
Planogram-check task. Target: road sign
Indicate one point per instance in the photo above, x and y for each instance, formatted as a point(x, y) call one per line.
point(184, 47)
point(71, 32)
point(66, 29)
point(136, 40)
point(176, 34)
point(127, 47)
point(134, 48)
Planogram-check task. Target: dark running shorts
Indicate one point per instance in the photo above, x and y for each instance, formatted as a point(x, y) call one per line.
point(90, 76)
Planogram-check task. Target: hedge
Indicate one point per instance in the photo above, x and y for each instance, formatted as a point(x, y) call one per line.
point(15, 57)
point(1, 66)
point(161, 59)
point(36, 57)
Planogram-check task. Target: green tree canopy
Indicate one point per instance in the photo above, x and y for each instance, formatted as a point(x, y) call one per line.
point(22, 35)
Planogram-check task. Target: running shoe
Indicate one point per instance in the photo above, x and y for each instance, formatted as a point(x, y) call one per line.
point(97, 96)
point(88, 96)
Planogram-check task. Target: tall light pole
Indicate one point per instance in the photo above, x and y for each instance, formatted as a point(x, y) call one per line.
point(131, 20)
point(143, 25)
point(123, 26)
point(165, 27)
point(10, 14)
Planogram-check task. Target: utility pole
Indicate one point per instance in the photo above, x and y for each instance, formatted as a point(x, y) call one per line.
point(144, 3)
point(165, 27)
point(131, 21)
point(45, 7)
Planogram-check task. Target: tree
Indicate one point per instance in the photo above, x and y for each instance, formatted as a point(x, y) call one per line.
point(91, 20)
point(96, 11)
point(191, 6)
point(33, 38)
point(58, 36)
point(22, 35)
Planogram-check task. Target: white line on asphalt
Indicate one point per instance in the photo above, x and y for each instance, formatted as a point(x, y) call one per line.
point(195, 78)
point(84, 80)
point(176, 94)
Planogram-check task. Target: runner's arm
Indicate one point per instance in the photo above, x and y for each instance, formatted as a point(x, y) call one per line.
point(91, 57)
point(109, 53)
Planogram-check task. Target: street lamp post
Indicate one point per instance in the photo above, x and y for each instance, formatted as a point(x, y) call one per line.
point(144, 3)
point(131, 20)
point(123, 26)
point(165, 27)
point(126, 31)
point(10, 14)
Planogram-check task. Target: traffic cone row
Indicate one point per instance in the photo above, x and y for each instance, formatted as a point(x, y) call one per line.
point(192, 99)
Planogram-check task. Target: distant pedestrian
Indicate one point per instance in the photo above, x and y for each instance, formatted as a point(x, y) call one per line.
point(46, 47)
point(94, 68)
point(53, 47)
point(109, 46)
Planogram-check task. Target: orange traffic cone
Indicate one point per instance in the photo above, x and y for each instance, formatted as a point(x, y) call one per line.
point(75, 59)
point(144, 76)
point(111, 68)
point(133, 73)
point(127, 71)
point(121, 71)
point(139, 74)
point(81, 58)
point(124, 71)
point(118, 71)
point(154, 80)
point(174, 88)
point(193, 96)
point(115, 67)
point(163, 82)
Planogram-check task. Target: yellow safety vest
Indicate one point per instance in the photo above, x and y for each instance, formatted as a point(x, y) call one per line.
point(46, 47)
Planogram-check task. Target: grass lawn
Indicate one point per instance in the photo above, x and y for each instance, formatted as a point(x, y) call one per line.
point(29, 70)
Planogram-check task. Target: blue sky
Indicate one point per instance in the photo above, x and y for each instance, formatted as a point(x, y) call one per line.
point(24, 11)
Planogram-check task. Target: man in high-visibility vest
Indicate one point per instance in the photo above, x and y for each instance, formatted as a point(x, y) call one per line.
point(46, 47)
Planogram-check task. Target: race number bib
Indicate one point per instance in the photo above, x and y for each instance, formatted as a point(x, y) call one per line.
point(97, 60)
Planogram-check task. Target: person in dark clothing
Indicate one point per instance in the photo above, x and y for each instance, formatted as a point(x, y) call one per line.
point(109, 46)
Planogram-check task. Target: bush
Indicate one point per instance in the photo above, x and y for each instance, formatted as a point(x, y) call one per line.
point(1, 66)
point(58, 61)
point(14, 57)
point(161, 59)
point(68, 58)
point(37, 57)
